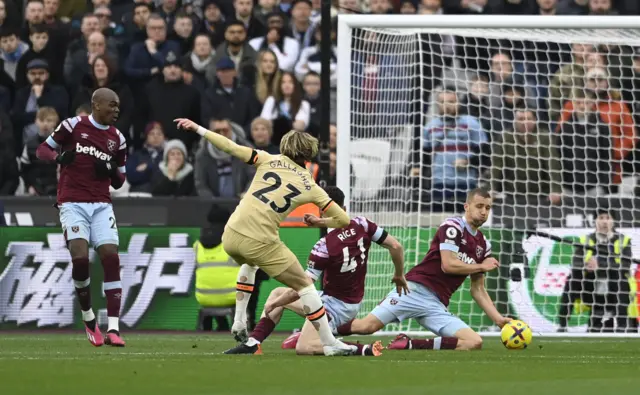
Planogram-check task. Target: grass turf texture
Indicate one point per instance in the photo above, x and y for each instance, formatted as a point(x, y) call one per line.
point(41, 363)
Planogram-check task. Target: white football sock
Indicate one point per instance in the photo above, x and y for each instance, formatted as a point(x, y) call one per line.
point(316, 314)
point(88, 315)
point(244, 289)
point(114, 324)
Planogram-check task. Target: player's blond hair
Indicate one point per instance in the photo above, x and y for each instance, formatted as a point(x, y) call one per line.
point(299, 146)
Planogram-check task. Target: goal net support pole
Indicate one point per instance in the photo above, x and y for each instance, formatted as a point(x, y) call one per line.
point(390, 94)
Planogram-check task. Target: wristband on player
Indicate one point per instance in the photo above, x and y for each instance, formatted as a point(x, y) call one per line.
point(201, 131)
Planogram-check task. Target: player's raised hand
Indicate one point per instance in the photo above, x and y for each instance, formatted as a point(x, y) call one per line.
point(186, 124)
point(401, 284)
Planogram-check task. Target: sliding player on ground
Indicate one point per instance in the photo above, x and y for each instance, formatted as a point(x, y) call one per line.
point(459, 249)
point(340, 260)
point(92, 158)
point(281, 184)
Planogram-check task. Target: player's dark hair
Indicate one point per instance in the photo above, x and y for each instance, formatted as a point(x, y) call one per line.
point(336, 195)
point(483, 193)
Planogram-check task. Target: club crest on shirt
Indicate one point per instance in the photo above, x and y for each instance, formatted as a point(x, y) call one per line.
point(75, 229)
point(111, 145)
point(393, 302)
point(479, 251)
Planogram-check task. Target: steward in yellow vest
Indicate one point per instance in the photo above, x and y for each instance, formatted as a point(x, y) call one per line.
point(600, 280)
point(216, 272)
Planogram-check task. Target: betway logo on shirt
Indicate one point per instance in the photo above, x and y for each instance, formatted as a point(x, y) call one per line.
point(466, 259)
point(93, 151)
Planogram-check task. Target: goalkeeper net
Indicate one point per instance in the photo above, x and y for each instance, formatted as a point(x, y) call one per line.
point(541, 111)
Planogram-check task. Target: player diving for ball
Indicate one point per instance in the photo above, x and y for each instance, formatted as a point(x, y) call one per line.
point(281, 184)
point(458, 249)
point(340, 259)
point(92, 158)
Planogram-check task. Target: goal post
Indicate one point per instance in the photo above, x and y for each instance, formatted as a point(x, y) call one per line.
point(404, 161)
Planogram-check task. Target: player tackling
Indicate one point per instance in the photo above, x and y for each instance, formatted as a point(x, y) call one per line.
point(459, 249)
point(92, 158)
point(281, 184)
point(340, 260)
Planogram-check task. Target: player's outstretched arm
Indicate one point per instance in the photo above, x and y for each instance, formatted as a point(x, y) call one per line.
point(334, 217)
point(397, 256)
point(452, 265)
point(241, 152)
point(482, 298)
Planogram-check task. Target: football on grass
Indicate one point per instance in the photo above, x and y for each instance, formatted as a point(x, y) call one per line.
point(516, 335)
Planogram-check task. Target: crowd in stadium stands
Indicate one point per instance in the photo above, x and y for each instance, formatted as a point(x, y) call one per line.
point(250, 71)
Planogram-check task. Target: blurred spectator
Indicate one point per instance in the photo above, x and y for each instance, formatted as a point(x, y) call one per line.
point(5, 98)
point(213, 23)
point(9, 175)
point(244, 14)
point(83, 111)
point(226, 98)
point(573, 7)
point(11, 50)
point(454, 142)
point(33, 15)
point(287, 109)
point(261, 133)
point(379, 7)
point(146, 59)
point(104, 74)
point(218, 174)
point(349, 6)
point(311, 58)
point(78, 63)
point(135, 24)
point(107, 26)
point(3, 15)
point(201, 56)
point(570, 76)
point(333, 137)
point(265, 8)
point(601, 7)
point(525, 162)
point(613, 112)
point(268, 75)
point(40, 177)
point(237, 49)
point(168, 98)
point(90, 24)
point(547, 7)
point(466, 6)
point(286, 48)
point(502, 72)
point(301, 26)
point(476, 101)
point(183, 32)
point(408, 7)
point(311, 88)
point(585, 149)
point(175, 177)
point(143, 164)
point(39, 93)
point(39, 49)
point(168, 10)
point(513, 97)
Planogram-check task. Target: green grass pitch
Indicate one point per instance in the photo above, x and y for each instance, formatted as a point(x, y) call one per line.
point(43, 363)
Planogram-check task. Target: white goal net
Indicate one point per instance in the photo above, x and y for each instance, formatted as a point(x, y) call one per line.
point(542, 111)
